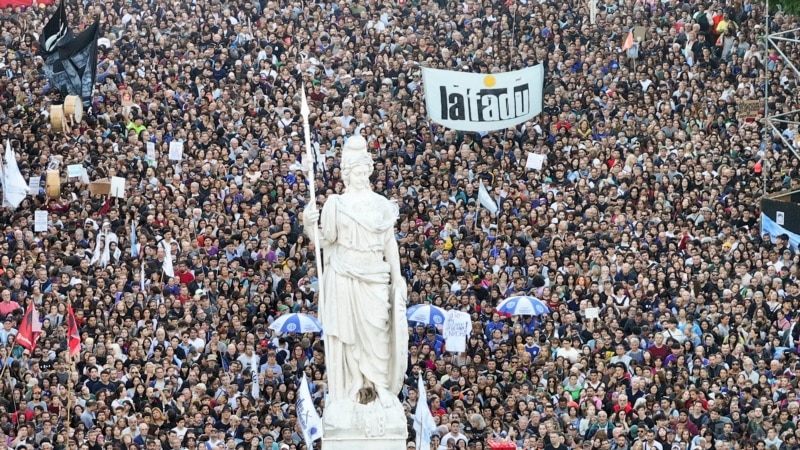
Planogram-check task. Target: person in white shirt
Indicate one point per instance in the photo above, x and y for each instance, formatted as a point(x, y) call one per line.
point(621, 357)
point(568, 352)
point(453, 436)
point(672, 331)
point(180, 429)
point(650, 442)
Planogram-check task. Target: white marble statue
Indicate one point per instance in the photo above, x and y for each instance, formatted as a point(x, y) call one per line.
point(362, 306)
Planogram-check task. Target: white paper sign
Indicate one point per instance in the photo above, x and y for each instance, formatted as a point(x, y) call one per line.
point(592, 313)
point(175, 151)
point(118, 187)
point(779, 218)
point(34, 185)
point(535, 161)
point(74, 170)
point(457, 327)
point(151, 150)
point(40, 221)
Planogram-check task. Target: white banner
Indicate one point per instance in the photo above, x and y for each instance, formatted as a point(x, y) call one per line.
point(483, 102)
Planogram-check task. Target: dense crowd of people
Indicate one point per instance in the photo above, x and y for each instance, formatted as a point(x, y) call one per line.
point(673, 321)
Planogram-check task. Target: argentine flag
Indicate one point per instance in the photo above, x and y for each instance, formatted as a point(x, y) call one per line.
point(310, 422)
point(134, 241)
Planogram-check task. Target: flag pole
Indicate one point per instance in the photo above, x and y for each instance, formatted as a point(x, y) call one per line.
point(304, 111)
point(71, 364)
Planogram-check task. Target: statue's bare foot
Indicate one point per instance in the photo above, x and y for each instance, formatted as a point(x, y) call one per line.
point(367, 395)
point(386, 398)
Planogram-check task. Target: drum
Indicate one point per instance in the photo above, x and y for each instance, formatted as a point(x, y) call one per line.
point(57, 119)
point(52, 184)
point(73, 108)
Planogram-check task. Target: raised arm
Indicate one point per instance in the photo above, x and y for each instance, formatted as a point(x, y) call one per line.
point(312, 229)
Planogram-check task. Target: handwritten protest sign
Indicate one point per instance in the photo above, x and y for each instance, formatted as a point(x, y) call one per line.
point(40, 221)
point(457, 326)
point(535, 161)
point(175, 151)
point(749, 108)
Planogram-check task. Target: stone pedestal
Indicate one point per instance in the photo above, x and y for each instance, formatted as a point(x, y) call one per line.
point(380, 424)
point(363, 444)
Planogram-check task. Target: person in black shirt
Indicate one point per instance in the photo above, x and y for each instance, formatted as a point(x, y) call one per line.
point(555, 441)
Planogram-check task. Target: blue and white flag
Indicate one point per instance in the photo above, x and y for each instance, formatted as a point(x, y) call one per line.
point(134, 241)
point(424, 425)
point(486, 199)
point(310, 422)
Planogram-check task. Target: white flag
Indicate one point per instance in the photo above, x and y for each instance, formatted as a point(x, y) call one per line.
point(167, 266)
point(134, 241)
point(256, 390)
point(310, 422)
point(85, 176)
point(142, 285)
point(485, 199)
point(424, 425)
point(3, 182)
point(36, 325)
point(15, 188)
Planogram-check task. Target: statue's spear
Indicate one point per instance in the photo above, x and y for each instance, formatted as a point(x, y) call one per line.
point(312, 192)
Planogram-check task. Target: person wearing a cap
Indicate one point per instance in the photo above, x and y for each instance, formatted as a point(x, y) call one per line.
point(433, 339)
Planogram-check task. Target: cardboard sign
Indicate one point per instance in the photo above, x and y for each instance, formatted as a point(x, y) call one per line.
point(639, 34)
point(100, 187)
point(750, 108)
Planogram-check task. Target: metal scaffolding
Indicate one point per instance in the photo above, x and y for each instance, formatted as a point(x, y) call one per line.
point(774, 120)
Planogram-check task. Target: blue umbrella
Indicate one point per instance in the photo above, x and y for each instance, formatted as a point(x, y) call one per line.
point(427, 314)
point(296, 323)
point(522, 305)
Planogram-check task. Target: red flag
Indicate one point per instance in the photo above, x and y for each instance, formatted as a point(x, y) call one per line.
point(106, 206)
point(27, 334)
point(73, 337)
point(628, 44)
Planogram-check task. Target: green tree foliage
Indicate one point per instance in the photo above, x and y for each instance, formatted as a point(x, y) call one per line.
point(787, 6)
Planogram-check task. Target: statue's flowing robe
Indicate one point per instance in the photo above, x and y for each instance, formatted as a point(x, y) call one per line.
point(363, 317)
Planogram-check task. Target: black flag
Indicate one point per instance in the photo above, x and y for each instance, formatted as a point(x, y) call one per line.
point(72, 68)
point(55, 30)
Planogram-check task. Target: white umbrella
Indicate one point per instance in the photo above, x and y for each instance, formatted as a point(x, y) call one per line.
point(427, 314)
point(522, 305)
point(296, 323)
